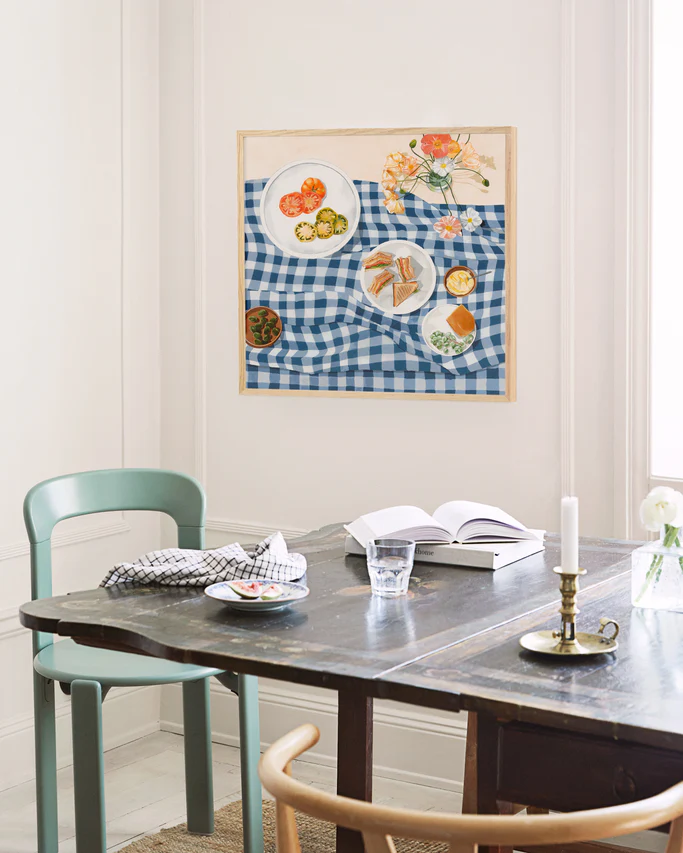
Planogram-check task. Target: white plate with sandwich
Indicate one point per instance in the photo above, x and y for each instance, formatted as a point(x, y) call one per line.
point(397, 277)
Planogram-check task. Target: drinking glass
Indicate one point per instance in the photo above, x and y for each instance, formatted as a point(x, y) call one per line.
point(390, 562)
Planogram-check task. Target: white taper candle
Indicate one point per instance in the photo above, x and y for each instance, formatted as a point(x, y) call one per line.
point(570, 535)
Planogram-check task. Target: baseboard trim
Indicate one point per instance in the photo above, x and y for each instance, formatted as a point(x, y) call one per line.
point(22, 722)
point(410, 718)
point(418, 739)
point(324, 760)
point(16, 734)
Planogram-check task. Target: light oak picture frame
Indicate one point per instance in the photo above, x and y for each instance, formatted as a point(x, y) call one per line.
point(253, 145)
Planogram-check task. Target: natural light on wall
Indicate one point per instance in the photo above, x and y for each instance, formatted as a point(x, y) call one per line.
point(666, 436)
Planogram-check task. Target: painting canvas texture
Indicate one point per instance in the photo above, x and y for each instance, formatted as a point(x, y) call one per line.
point(378, 261)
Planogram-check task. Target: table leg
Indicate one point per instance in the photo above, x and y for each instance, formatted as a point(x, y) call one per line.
point(485, 748)
point(354, 759)
point(469, 787)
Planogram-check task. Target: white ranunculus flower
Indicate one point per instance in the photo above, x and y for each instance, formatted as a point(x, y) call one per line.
point(470, 219)
point(443, 166)
point(662, 506)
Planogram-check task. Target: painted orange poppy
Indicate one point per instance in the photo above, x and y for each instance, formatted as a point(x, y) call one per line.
point(436, 144)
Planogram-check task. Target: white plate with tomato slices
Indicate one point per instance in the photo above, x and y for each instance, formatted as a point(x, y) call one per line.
point(296, 195)
point(257, 595)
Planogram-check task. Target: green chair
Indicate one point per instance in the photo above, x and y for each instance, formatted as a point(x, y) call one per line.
point(87, 673)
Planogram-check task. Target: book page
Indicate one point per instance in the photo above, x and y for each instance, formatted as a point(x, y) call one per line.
point(455, 514)
point(409, 521)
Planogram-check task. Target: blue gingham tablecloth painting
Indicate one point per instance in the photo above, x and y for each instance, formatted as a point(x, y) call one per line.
point(333, 339)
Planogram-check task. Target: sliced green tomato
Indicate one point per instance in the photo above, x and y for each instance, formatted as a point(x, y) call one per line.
point(304, 232)
point(341, 224)
point(326, 215)
point(325, 230)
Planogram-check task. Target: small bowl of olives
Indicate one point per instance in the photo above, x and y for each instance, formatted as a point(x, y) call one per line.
point(264, 326)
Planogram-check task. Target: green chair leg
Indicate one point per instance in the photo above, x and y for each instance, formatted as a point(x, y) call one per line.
point(250, 751)
point(86, 721)
point(198, 766)
point(46, 763)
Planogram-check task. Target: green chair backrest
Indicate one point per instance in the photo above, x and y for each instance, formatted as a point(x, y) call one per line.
point(121, 489)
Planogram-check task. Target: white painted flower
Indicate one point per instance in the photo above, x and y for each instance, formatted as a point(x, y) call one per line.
point(662, 506)
point(470, 219)
point(443, 166)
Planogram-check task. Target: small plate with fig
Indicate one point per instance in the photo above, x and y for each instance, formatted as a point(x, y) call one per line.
point(256, 594)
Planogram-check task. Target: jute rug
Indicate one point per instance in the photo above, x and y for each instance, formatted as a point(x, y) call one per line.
point(316, 836)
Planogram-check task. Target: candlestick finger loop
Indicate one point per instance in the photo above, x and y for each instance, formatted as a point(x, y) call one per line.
point(604, 622)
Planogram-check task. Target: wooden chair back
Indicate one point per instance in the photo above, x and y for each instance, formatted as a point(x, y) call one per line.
point(462, 832)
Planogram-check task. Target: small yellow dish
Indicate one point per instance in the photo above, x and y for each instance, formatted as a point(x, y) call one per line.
point(460, 281)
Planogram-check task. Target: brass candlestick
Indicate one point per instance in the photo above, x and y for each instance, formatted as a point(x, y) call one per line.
point(567, 641)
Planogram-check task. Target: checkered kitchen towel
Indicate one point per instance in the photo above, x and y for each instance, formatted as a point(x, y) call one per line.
point(334, 339)
point(270, 560)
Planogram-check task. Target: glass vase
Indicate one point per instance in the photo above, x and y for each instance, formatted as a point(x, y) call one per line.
point(657, 576)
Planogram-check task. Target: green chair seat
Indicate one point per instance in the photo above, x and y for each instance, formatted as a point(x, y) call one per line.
point(67, 661)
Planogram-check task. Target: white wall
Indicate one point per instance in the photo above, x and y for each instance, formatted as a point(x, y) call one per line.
point(545, 66)
point(509, 69)
point(79, 344)
point(119, 165)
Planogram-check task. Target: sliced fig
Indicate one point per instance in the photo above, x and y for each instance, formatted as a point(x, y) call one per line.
point(273, 590)
point(246, 590)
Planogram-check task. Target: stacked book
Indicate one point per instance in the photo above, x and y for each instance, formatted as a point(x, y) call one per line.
point(458, 533)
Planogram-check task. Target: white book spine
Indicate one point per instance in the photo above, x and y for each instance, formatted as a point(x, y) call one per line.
point(452, 555)
point(466, 556)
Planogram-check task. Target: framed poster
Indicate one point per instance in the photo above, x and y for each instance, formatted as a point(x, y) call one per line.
point(378, 262)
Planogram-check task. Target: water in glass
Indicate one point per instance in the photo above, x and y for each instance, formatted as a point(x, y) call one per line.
point(390, 562)
point(389, 575)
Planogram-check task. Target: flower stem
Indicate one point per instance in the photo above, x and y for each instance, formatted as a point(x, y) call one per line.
point(671, 536)
point(465, 169)
point(454, 198)
point(446, 201)
point(425, 160)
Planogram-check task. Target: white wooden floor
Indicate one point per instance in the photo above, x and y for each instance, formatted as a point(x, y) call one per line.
point(145, 790)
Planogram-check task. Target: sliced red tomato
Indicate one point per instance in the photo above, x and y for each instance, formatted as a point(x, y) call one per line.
point(292, 204)
point(311, 202)
point(314, 185)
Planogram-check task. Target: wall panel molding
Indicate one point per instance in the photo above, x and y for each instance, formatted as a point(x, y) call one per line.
point(633, 32)
point(199, 246)
point(71, 537)
point(257, 530)
point(10, 627)
point(567, 247)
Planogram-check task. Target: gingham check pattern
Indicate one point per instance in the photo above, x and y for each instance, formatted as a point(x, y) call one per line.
point(269, 561)
point(333, 339)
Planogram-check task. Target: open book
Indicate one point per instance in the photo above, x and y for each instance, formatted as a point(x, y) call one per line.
point(456, 521)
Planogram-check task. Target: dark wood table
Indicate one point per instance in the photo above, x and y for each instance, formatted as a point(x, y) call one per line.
point(452, 644)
